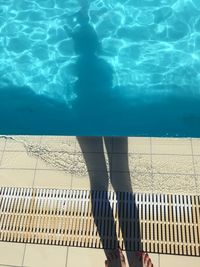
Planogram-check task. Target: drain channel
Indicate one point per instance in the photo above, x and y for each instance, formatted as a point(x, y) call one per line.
point(150, 222)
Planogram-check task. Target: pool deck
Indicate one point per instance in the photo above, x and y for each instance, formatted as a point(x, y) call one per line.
point(156, 165)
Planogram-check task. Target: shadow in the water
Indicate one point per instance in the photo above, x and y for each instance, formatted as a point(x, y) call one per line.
point(94, 85)
point(93, 152)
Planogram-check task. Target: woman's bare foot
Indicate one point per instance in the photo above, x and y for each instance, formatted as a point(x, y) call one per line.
point(115, 259)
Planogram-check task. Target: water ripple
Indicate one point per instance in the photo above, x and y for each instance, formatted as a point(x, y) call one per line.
point(153, 46)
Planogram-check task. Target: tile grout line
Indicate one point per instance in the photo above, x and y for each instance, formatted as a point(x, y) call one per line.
point(3, 152)
point(71, 183)
point(194, 169)
point(159, 260)
point(32, 187)
point(66, 262)
point(151, 159)
point(35, 170)
point(131, 171)
point(23, 255)
point(74, 152)
point(117, 153)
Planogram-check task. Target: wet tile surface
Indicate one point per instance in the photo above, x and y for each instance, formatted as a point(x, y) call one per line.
point(197, 164)
point(198, 184)
point(172, 164)
point(169, 183)
point(131, 162)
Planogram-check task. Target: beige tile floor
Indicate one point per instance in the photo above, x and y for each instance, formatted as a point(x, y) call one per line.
point(159, 165)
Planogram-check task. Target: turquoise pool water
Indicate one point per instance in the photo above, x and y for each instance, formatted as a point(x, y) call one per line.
point(101, 67)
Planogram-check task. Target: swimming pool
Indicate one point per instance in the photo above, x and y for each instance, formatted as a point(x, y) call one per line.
point(100, 67)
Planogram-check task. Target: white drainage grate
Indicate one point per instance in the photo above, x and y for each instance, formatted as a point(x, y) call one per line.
point(149, 222)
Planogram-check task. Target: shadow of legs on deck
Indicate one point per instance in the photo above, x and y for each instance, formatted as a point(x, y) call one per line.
point(93, 152)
